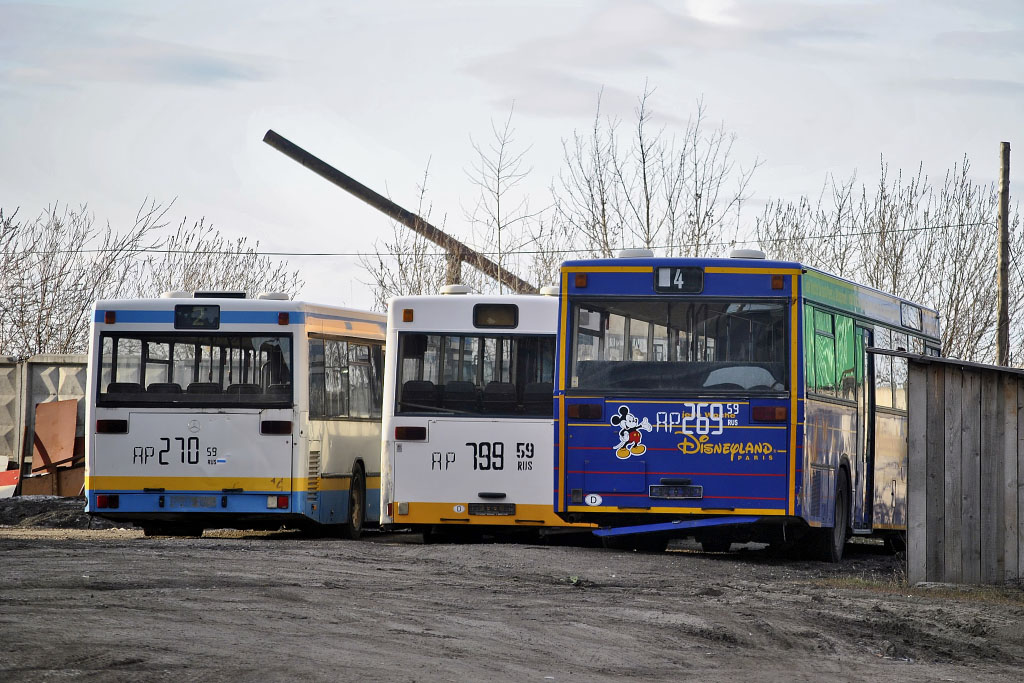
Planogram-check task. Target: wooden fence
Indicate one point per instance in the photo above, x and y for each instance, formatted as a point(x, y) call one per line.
point(965, 446)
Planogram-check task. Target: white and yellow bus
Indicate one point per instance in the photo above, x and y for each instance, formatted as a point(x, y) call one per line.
point(468, 413)
point(214, 410)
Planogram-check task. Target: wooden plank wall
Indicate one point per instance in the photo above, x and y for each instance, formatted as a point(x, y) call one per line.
point(966, 473)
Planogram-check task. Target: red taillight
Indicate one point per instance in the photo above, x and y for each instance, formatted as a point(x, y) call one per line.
point(769, 413)
point(410, 433)
point(108, 500)
point(109, 317)
point(391, 507)
point(282, 318)
point(111, 426)
point(585, 411)
point(282, 502)
point(276, 427)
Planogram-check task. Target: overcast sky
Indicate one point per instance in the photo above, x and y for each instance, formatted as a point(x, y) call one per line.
point(110, 102)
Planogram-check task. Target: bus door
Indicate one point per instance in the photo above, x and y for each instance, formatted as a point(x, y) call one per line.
point(864, 461)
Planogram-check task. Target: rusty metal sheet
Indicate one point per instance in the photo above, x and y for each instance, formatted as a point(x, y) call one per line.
point(54, 442)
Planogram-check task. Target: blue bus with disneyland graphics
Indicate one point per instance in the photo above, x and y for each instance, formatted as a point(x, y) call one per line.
point(216, 410)
point(732, 400)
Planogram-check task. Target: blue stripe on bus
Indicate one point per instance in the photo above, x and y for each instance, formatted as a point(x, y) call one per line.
point(226, 317)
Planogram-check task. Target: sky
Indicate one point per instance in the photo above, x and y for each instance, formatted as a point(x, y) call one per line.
point(110, 102)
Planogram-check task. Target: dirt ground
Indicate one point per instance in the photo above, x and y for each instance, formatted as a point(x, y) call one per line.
point(109, 604)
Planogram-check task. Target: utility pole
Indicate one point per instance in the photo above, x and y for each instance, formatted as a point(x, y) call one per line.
point(1003, 307)
point(457, 252)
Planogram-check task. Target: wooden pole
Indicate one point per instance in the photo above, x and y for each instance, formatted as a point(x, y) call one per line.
point(458, 252)
point(1003, 276)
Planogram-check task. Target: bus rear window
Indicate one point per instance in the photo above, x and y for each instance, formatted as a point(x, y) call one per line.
point(475, 375)
point(194, 369)
point(680, 345)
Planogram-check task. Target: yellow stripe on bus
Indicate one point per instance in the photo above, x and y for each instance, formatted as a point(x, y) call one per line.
point(444, 513)
point(751, 271)
point(608, 269)
point(793, 388)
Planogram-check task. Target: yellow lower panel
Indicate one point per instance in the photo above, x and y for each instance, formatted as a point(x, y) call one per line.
point(682, 511)
point(444, 513)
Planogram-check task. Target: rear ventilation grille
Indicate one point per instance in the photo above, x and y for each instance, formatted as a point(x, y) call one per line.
point(313, 480)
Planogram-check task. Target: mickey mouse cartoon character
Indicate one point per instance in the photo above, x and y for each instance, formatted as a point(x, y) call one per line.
point(629, 433)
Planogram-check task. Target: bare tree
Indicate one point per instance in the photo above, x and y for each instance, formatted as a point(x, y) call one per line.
point(500, 215)
point(198, 257)
point(407, 263)
point(933, 245)
point(55, 266)
point(678, 195)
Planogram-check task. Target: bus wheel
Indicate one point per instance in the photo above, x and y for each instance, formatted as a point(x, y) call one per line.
point(356, 505)
point(832, 541)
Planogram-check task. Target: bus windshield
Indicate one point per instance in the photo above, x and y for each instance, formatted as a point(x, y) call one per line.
point(680, 345)
point(471, 374)
point(216, 370)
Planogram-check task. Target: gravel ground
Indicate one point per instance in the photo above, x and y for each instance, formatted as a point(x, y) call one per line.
point(87, 603)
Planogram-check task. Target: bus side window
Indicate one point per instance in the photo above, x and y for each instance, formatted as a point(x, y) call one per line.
point(317, 407)
point(824, 354)
point(883, 368)
point(336, 378)
point(845, 358)
point(899, 373)
point(809, 348)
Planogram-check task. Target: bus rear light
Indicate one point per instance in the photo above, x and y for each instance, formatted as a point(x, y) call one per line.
point(769, 413)
point(282, 318)
point(282, 502)
point(581, 280)
point(109, 317)
point(276, 427)
point(407, 315)
point(110, 501)
point(410, 433)
point(271, 502)
point(390, 508)
point(777, 282)
point(585, 411)
point(111, 426)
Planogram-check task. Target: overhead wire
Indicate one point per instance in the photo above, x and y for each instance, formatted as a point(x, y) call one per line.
point(514, 252)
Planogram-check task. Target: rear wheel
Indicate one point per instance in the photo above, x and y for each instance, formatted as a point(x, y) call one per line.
point(353, 527)
point(833, 541)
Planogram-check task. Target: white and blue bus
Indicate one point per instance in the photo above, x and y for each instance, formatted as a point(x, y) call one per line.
point(214, 410)
point(731, 400)
point(467, 429)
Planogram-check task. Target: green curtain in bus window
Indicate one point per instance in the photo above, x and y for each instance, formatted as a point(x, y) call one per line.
point(846, 353)
point(823, 322)
point(825, 364)
point(809, 347)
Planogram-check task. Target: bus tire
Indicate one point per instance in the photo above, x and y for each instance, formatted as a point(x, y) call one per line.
point(353, 527)
point(832, 541)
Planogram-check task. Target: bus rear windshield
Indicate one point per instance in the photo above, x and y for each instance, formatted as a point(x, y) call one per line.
point(681, 345)
point(475, 375)
point(215, 370)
